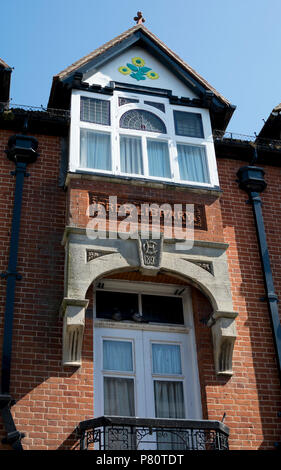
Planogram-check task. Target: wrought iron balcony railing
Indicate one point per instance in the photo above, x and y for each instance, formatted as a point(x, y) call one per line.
point(127, 433)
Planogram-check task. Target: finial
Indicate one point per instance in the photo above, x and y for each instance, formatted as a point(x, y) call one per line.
point(139, 19)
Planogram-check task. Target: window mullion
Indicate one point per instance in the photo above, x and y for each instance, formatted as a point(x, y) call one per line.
point(145, 156)
point(140, 304)
point(174, 159)
point(115, 151)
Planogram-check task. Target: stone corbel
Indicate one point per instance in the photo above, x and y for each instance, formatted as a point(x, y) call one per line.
point(73, 313)
point(224, 336)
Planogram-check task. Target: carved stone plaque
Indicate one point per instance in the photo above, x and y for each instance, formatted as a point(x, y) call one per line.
point(150, 251)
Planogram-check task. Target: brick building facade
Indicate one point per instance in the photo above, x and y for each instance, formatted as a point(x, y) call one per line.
point(215, 335)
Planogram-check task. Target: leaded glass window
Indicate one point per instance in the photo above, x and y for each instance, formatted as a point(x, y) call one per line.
point(94, 110)
point(160, 106)
point(188, 124)
point(122, 101)
point(142, 121)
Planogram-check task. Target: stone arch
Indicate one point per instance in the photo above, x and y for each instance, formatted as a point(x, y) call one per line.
point(87, 262)
point(218, 293)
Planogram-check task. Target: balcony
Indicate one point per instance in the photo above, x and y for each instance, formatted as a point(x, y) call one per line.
point(127, 433)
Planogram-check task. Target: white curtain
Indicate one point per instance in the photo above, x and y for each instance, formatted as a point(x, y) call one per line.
point(95, 150)
point(192, 163)
point(118, 391)
point(119, 396)
point(131, 155)
point(168, 394)
point(158, 158)
point(166, 359)
point(169, 402)
point(117, 355)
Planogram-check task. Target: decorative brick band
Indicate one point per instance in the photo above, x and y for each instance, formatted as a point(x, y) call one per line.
point(200, 222)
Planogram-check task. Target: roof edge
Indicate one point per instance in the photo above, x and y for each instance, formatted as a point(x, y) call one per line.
point(4, 65)
point(61, 84)
point(66, 73)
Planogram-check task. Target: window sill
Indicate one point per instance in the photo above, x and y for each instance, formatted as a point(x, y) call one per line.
point(139, 181)
point(127, 325)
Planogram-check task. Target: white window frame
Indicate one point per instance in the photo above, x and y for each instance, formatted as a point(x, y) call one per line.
point(171, 138)
point(148, 334)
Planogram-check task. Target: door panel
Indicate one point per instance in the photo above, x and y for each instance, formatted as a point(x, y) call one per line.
point(167, 371)
point(155, 376)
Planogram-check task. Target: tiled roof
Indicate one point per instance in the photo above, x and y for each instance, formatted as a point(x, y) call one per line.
point(277, 108)
point(84, 60)
point(3, 64)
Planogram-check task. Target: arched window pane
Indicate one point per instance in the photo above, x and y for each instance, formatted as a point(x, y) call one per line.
point(142, 121)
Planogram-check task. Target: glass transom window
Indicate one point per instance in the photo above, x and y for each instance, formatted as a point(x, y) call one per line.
point(123, 306)
point(142, 121)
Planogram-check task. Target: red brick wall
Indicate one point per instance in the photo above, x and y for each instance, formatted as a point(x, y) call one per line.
point(51, 399)
point(255, 397)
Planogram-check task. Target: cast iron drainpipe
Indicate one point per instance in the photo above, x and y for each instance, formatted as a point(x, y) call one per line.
point(22, 151)
point(251, 180)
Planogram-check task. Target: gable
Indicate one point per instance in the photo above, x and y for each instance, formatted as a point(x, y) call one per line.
point(136, 66)
point(103, 64)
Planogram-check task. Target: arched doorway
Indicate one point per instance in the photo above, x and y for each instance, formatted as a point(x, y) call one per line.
point(145, 361)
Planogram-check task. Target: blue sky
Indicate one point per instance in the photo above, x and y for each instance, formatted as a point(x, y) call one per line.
point(234, 44)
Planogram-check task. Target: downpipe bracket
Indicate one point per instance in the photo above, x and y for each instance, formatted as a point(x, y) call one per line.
point(6, 274)
point(271, 297)
point(13, 437)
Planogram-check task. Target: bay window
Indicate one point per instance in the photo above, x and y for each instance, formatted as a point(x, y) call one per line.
point(135, 137)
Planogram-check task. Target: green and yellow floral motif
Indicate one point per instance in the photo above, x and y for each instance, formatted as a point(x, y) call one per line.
point(152, 75)
point(137, 70)
point(124, 70)
point(138, 61)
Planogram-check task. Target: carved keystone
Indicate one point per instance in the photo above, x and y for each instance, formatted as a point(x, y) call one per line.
point(73, 312)
point(224, 336)
point(150, 253)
